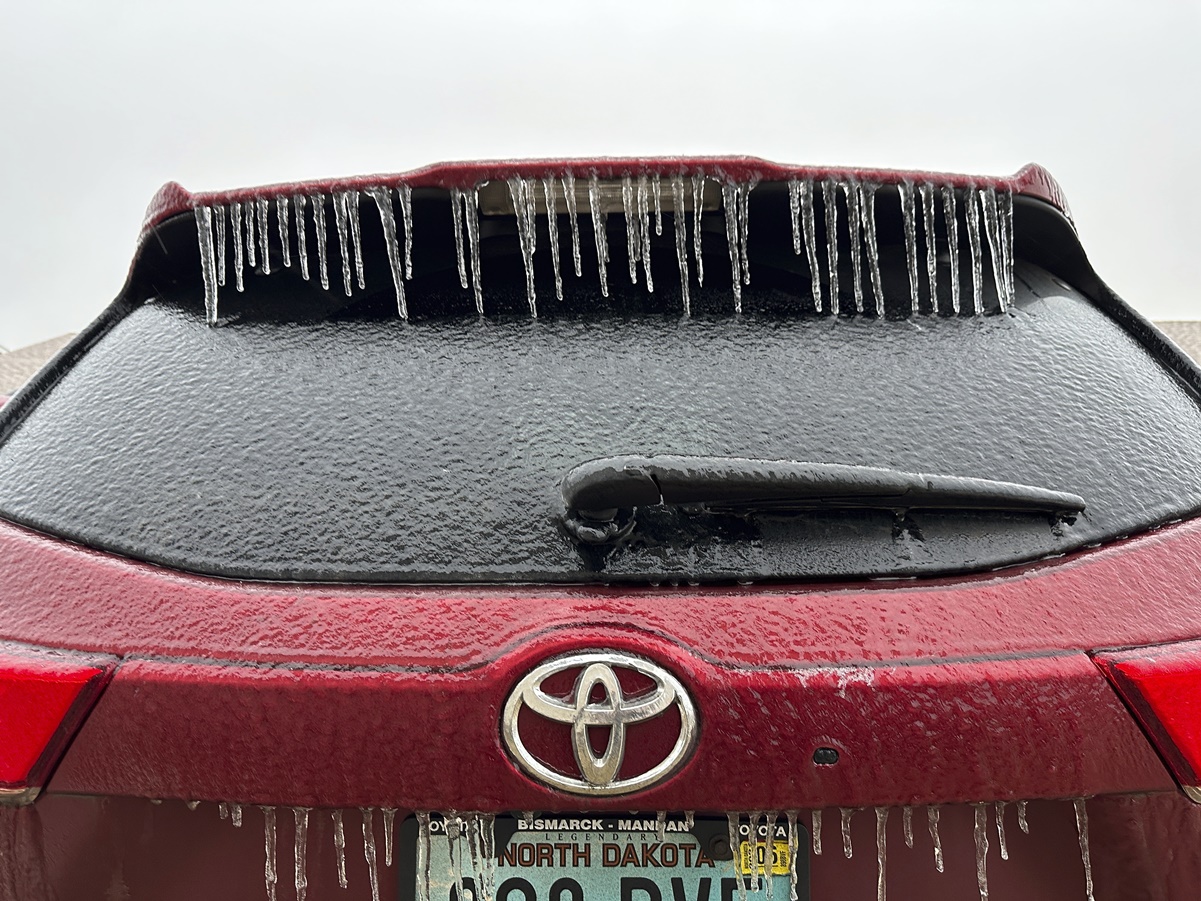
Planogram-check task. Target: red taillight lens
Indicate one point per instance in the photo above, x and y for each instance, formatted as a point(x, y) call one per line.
point(1162, 685)
point(44, 697)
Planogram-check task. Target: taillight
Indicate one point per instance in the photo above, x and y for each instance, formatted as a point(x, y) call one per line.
point(1162, 686)
point(44, 697)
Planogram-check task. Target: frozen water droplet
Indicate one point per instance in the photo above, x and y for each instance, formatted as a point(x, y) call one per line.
point(644, 232)
point(744, 227)
point(573, 217)
point(980, 833)
point(794, 208)
point(1082, 835)
point(423, 856)
point(300, 816)
point(769, 855)
point(845, 813)
point(971, 208)
point(192, 805)
point(383, 202)
point(208, 261)
point(487, 828)
point(235, 223)
point(340, 846)
point(1000, 811)
point(552, 228)
point(657, 189)
point(881, 853)
point(927, 192)
point(471, 213)
point(389, 829)
point(405, 193)
point(680, 225)
point(269, 873)
point(322, 241)
point(661, 825)
point(907, 823)
point(698, 203)
point(689, 820)
point(932, 817)
point(830, 204)
point(951, 219)
point(235, 815)
point(598, 230)
point(251, 240)
point(262, 209)
point(793, 849)
point(356, 235)
point(995, 237)
point(1023, 824)
point(472, 825)
point(815, 829)
point(909, 216)
point(223, 810)
point(456, 218)
point(867, 211)
point(855, 227)
point(368, 815)
point(281, 218)
point(633, 245)
point(521, 192)
point(156, 801)
point(1005, 212)
point(341, 221)
point(808, 229)
point(732, 828)
point(753, 821)
point(302, 247)
point(219, 224)
point(729, 196)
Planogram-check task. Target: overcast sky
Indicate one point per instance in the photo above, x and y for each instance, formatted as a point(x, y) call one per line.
point(103, 102)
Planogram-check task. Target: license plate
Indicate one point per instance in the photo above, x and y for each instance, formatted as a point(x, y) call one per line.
point(590, 857)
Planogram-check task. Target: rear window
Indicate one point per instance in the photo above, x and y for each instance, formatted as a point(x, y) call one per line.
point(359, 448)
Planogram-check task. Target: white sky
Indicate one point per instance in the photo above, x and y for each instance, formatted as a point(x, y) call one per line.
point(103, 102)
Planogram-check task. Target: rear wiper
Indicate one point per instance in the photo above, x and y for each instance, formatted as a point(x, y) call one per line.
point(599, 490)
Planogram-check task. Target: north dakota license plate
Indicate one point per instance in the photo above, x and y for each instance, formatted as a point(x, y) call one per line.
point(589, 857)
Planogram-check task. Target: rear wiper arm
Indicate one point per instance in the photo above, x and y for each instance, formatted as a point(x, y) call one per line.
point(599, 489)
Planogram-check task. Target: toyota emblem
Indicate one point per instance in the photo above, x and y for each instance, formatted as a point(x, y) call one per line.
point(598, 701)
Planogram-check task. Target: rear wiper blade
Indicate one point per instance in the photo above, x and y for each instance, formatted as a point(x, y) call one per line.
point(598, 489)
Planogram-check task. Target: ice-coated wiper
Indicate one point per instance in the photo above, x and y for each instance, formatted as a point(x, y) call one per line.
point(599, 489)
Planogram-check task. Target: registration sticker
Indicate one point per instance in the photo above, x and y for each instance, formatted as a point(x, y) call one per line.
point(591, 857)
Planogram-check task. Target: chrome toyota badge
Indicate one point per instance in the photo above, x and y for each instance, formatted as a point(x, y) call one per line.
point(597, 700)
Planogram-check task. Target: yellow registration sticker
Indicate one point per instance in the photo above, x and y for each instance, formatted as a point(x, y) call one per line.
point(753, 855)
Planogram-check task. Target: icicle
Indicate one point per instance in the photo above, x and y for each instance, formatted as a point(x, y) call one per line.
point(269, 873)
point(815, 829)
point(208, 262)
point(980, 832)
point(405, 193)
point(356, 235)
point(658, 204)
point(881, 853)
point(383, 202)
point(952, 222)
point(830, 203)
point(1005, 213)
point(219, 222)
point(744, 227)
point(389, 828)
point(971, 207)
point(661, 825)
point(644, 232)
point(793, 849)
point(281, 218)
point(855, 226)
point(794, 208)
point(569, 196)
point(909, 214)
point(1000, 810)
point(521, 192)
point(472, 825)
point(251, 240)
point(729, 198)
point(471, 211)
point(1022, 822)
point(755, 823)
point(235, 815)
point(680, 224)
point(867, 211)
point(341, 216)
point(423, 856)
point(932, 816)
point(223, 810)
point(235, 223)
point(302, 247)
point(689, 820)
point(598, 230)
point(992, 234)
point(732, 827)
point(809, 221)
point(456, 218)
point(927, 191)
point(488, 852)
point(845, 813)
point(552, 228)
point(633, 245)
point(769, 855)
point(454, 829)
point(263, 209)
point(907, 823)
point(1082, 835)
point(192, 805)
point(368, 815)
point(698, 203)
point(340, 846)
point(300, 816)
point(322, 244)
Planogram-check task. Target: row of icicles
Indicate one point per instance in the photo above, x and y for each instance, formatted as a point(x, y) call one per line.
point(477, 830)
point(987, 214)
